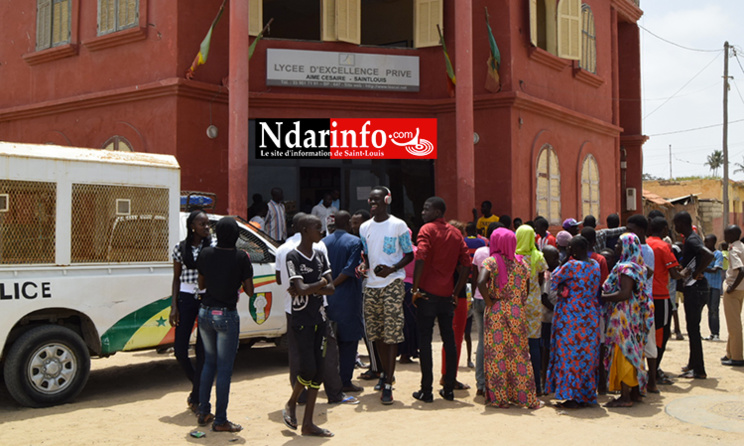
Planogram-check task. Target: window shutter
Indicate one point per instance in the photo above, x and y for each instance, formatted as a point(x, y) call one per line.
point(588, 40)
point(328, 30)
point(106, 16)
point(349, 21)
point(569, 29)
point(60, 22)
point(555, 188)
point(542, 191)
point(255, 17)
point(127, 14)
point(590, 187)
point(427, 14)
point(533, 22)
point(43, 24)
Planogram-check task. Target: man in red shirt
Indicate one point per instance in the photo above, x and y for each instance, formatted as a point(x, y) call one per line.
point(665, 264)
point(541, 229)
point(441, 250)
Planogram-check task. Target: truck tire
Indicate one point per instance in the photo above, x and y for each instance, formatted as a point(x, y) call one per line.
point(46, 366)
point(282, 343)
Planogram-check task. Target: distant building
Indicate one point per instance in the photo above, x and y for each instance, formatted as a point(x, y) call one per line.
point(561, 138)
point(709, 193)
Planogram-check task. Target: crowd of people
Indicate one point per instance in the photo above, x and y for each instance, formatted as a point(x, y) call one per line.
point(577, 314)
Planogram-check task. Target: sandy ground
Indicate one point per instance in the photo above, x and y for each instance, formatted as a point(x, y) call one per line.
point(140, 398)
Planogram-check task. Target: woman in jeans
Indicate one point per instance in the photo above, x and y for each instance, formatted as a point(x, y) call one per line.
point(222, 270)
point(185, 303)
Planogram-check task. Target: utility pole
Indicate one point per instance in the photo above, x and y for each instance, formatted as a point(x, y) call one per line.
point(670, 162)
point(725, 136)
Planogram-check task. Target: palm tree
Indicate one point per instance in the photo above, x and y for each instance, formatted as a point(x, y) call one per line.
point(739, 166)
point(715, 161)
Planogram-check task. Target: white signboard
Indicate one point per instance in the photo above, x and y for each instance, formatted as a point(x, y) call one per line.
point(353, 71)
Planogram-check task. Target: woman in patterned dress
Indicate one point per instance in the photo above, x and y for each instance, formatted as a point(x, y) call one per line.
point(628, 320)
point(575, 336)
point(503, 282)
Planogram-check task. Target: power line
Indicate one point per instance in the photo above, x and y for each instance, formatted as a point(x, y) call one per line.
point(688, 162)
point(736, 55)
point(737, 89)
point(695, 128)
point(677, 44)
point(683, 87)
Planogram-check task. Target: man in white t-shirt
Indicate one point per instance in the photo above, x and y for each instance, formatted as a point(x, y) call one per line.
point(387, 247)
point(324, 210)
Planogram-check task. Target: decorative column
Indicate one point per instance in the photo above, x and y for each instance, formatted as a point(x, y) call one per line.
point(237, 149)
point(464, 110)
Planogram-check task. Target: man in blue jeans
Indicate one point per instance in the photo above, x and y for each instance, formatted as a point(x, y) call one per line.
point(714, 276)
point(441, 251)
point(695, 258)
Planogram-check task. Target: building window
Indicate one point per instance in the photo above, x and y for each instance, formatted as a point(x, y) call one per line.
point(293, 19)
point(116, 15)
point(556, 29)
point(389, 23)
point(118, 143)
point(53, 19)
point(548, 188)
point(590, 187)
point(588, 59)
point(542, 24)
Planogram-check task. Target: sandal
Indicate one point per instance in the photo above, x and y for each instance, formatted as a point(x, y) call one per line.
point(369, 375)
point(456, 386)
point(204, 418)
point(193, 406)
point(617, 402)
point(319, 433)
point(291, 422)
point(665, 381)
point(227, 426)
point(568, 404)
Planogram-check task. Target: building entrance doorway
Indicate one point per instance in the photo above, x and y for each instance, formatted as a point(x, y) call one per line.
point(316, 181)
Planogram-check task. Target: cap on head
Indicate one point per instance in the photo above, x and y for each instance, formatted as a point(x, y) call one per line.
point(570, 222)
point(562, 238)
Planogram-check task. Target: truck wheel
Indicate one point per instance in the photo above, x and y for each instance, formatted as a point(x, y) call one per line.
point(47, 365)
point(282, 343)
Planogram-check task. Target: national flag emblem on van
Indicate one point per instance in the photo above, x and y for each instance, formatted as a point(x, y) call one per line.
point(260, 307)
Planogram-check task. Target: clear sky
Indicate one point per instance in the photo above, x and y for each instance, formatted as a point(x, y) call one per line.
point(683, 89)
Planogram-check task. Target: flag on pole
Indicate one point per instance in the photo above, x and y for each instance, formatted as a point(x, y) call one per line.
point(252, 48)
point(493, 81)
point(201, 56)
point(451, 81)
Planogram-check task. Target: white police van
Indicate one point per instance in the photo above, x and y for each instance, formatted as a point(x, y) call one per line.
point(85, 267)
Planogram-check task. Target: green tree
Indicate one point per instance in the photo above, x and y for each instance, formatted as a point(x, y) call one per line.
point(739, 166)
point(715, 161)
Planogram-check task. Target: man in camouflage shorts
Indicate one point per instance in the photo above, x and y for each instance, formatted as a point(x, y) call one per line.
point(386, 241)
